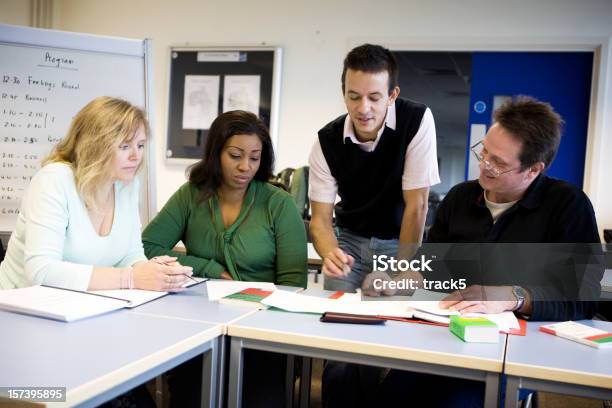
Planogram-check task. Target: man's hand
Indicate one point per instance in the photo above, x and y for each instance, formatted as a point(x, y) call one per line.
point(483, 299)
point(337, 263)
point(369, 289)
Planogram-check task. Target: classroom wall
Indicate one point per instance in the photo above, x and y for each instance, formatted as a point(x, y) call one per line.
point(15, 12)
point(451, 168)
point(315, 36)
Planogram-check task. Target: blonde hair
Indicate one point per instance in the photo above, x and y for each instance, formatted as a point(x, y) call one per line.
point(92, 141)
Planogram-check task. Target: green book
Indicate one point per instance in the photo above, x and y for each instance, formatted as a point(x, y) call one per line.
point(474, 329)
point(250, 297)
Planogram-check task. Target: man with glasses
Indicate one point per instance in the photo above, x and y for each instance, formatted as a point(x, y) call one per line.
point(513, 201)
point(512, 208)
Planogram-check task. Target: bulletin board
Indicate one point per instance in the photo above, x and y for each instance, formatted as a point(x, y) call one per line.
point(207, 81)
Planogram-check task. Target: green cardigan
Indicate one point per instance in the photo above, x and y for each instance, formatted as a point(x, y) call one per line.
point(266, 243)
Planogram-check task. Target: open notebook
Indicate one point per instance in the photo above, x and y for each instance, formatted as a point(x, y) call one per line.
point(57, 304)
point(68, 305)
point(422, 306)
point(137, 297)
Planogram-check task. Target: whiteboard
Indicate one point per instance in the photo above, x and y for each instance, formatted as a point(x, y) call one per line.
point(46, 77)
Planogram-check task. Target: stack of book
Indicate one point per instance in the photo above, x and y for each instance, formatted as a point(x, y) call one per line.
point(580, 333)
point(474, 329)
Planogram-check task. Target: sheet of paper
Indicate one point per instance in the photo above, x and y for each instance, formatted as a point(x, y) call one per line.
point(56, 304)
point(391, 308)
point(296, 302)
point(241, 92)
point(431, 317)
point(138, 297)
point(220, 288)
point(201, 101)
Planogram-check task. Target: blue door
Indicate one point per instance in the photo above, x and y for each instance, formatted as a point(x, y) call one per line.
point(562, 79)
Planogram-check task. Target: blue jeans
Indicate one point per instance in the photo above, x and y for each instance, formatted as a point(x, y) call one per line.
point(362, 249)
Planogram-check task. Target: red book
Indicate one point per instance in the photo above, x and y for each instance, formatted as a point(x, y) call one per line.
point(250, 297)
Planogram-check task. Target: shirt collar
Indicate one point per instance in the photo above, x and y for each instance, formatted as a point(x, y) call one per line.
point(533, 195)
point(531, 199)
point(349, 130)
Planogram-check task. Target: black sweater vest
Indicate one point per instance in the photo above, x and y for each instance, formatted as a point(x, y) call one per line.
point(370, 183)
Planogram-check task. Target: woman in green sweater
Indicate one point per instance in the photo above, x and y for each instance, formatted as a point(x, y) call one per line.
point(234, 224)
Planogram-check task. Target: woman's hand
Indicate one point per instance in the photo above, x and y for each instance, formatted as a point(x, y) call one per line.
point(226, 275)
point(166, 260)
point(156, 275)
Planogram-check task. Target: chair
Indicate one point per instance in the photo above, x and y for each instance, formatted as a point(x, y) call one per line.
point(433, 202)
point(295, 182)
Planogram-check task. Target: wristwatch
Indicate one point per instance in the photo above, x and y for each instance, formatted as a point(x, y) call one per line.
point(520, 295)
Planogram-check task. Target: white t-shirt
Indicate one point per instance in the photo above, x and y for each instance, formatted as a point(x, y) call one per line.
point(420, 163)
point(497, 209)
point(54, 242)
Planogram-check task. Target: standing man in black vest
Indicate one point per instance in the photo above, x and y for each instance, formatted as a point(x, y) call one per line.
point(381, 159)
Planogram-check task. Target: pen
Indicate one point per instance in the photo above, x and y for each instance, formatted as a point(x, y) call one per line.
point(193, 279)
point(197, 282)
point(184, 274)
point(88, 293)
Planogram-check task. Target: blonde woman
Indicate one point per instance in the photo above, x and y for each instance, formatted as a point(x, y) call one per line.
point(79, 226)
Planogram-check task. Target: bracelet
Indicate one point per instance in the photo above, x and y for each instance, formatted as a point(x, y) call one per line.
point(129, 284)
point(130, 277)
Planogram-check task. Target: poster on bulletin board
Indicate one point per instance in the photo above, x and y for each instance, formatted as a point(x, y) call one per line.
point(207, 81)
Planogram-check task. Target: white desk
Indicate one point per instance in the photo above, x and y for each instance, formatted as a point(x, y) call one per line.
point(193, 305)
point(102, 357)
point(403, 346)
point(540, 361)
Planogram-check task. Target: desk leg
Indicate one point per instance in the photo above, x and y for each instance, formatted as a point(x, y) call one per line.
point(210, 377)
point(491, 390)
point(512, 390)
point(305, 382)
point(159, 390)
point(289, 379)
point(221, 370)
point(235, 373)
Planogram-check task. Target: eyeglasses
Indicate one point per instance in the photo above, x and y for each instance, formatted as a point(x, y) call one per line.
point(488, 166)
